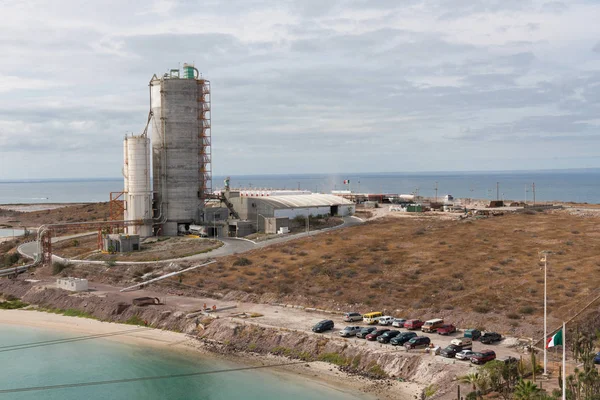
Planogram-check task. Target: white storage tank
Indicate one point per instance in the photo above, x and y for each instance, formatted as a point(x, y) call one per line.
point(138, 192)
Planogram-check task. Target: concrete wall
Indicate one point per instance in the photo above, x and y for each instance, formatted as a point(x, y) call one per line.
point(176, 150)
point(72, 284)
point(291, 213)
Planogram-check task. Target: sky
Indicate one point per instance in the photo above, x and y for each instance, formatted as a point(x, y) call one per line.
point(306, 86)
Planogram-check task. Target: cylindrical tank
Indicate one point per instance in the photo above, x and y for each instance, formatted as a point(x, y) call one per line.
point(176, 157)
point(138, 196)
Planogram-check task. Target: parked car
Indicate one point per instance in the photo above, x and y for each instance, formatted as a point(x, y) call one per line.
point(398, 323)
point(350, 331)
point(432, 325)
point(386, 337)
point(472, 333)
point(446, 329)
point(465, 355)
point(464, 342)
point(450, 351)
point(597, 358)
point(418, 342)
point(490, 337)
point(509, 360)
point(386, 320)
point(352, 316)
point(481, 357)
point(323, 326)
point(365, 331)
point(402, 338)
point(413, 324)
point(375, 334)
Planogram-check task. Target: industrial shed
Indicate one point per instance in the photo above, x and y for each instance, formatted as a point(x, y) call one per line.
point(262, 206)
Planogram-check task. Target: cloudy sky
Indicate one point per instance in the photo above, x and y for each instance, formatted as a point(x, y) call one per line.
point(304, 86)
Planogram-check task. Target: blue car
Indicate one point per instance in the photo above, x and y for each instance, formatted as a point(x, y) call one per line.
point(597, 358)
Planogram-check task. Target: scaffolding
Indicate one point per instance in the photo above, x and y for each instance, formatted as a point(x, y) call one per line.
point(204, 138)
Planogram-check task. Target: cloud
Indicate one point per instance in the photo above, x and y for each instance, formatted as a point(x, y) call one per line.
point(304, 86)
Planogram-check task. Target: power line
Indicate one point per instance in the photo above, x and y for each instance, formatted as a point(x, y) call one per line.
point(24, 346)
point(146, 378)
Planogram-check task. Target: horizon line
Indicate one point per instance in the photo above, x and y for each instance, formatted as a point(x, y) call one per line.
point(365, 174)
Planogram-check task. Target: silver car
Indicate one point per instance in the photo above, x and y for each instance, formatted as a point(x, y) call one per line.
point(464, 355)
point(398, 322)
point(350, 331)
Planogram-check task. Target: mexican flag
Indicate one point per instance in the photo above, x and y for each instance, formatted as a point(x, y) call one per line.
point(556, 340)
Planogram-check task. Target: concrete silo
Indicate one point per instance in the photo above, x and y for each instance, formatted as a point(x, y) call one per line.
point(137, 190)
point(181, 156)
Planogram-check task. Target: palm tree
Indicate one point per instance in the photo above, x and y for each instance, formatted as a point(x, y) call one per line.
point(472, 379)
point(526, 390)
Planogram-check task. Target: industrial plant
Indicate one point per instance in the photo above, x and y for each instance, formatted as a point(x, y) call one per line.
point(168, 174)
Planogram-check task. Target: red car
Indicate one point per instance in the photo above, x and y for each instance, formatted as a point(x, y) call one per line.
point(483, 356)
point(446, 329)
point(413, 324)
point(375, 334)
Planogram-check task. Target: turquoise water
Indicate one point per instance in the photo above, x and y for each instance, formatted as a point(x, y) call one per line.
point(99, 360)
point(9, 232)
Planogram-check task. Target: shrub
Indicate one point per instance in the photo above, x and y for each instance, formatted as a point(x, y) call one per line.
point(457, 287)
point(374, 270)
point(482, 309)
point(12, 304)
point(513, 316)
point(135, 320)
point(528, 310)
point(242, 261)
point(58, 267)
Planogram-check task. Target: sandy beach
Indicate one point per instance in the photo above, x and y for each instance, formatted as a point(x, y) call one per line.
point(318, 372)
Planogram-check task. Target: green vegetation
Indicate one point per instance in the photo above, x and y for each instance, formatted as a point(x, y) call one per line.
point(135, 320)
point(430, 390)
point(242, 261)
point(376, 371)
point(335, 358)
point(12, 304)
point(70, 312)
point(8, 260)
point(58, 267)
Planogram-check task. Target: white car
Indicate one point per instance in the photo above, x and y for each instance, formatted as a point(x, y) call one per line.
point(464, 355)
point(398, 322)
point(386, 320)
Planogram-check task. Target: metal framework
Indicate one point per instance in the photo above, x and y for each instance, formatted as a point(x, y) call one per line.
point(204, 136)
point(116, 208)
point(45, 233)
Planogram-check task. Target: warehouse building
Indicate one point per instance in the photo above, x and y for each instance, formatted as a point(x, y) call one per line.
point(270, 211)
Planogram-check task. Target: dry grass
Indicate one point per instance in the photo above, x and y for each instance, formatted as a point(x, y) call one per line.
point(486, 266)
point(69, 213)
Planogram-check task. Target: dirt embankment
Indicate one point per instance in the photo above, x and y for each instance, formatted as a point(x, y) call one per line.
point(229, 337)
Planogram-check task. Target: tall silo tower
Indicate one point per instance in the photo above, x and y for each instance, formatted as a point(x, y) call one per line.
point(137, 190)
point(181, 156)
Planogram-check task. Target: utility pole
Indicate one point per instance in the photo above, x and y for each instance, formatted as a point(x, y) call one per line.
point(436, 191)
point(497, 190)
point(533, 190)
point(545, 260)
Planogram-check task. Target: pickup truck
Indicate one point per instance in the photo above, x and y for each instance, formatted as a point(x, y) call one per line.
point(464, 342)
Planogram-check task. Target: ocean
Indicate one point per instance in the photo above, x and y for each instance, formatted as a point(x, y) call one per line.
point(560, 185)
point(101, 360)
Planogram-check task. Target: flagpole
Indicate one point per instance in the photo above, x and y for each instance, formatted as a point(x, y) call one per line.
point(545, 312)
point(564, 363)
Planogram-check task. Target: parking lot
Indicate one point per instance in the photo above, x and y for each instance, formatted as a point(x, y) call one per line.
point(303, 321)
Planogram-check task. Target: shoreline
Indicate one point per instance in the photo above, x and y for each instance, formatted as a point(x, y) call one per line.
point(317, 373)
